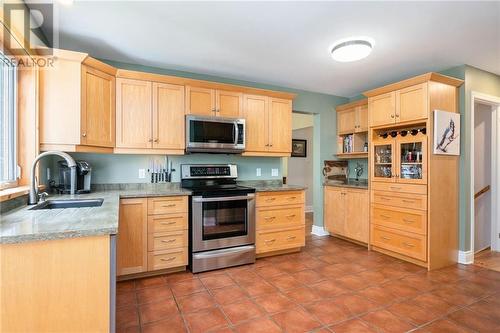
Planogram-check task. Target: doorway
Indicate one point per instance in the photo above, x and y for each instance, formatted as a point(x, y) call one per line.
point(485, 227)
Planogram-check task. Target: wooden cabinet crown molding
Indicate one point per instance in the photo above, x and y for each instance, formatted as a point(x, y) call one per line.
point(351, 105)
point(128, 74)
point(436, 77)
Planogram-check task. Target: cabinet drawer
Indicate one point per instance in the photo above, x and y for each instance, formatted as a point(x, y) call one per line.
point(280, 240)
point(167, 259)
point(399, 188)
point(403, 200)
point(167, 240)
point(169, 222)
point(266, 199)
point(166, 205)
point(411, 245)
point(399, 218)
point(271, 218)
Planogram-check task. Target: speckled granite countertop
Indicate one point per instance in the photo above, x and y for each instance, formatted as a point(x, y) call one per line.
point(271, 186)
point(23, 225)
point(361, 184)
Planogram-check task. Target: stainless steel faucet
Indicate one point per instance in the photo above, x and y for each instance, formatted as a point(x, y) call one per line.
point(33, 197)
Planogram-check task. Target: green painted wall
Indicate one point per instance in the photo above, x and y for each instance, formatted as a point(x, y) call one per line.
point(321, 105)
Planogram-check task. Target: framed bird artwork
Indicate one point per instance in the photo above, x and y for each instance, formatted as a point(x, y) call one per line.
point(446, 133)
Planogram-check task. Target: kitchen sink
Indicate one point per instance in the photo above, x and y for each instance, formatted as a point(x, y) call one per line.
point(68, 203)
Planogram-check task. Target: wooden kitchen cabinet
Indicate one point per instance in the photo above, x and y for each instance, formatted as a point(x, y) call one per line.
point(346, 212)
point(352, 117)
point(213, 102)
point(268, 126)
point(132, 239)
point(401, 106)
point(77, 104)
point(149, 117)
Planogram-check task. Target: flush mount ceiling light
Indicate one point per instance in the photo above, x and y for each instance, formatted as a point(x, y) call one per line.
point(352, 49)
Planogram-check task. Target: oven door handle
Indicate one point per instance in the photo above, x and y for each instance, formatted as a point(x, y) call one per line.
point(240, 197)
point(222, 252)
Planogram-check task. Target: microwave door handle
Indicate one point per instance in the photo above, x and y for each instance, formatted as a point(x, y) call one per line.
point(236, 133)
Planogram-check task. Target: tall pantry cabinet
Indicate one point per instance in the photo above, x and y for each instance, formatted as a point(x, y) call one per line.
point(413, 192)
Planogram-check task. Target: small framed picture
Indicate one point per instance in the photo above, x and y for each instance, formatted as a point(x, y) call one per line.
point(446, 133)
point(299, 148)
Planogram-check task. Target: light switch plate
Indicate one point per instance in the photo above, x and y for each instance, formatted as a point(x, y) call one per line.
point(274, 172)
point(258, 172)
point(142, 173)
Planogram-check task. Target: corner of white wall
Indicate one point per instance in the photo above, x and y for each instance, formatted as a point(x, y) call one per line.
point(319, 231)
point(465, 257)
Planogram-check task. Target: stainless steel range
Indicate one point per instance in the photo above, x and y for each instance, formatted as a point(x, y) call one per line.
point(222, 217)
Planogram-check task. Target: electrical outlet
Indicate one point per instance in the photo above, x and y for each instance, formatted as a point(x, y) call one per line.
point(142, 173)
point(258, 172)
point(274, 172)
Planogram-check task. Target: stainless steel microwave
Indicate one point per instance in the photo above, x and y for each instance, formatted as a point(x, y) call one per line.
point(215, 135)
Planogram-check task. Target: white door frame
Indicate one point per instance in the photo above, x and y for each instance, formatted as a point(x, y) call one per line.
point(494, 102)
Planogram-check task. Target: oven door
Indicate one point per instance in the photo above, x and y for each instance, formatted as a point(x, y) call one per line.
point(214, 134)
point(221, 222)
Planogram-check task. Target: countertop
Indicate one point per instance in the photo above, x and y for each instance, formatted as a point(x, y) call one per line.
point(23, 225)
point(352, 183)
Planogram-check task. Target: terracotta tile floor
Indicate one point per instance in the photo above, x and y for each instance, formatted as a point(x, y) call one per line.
point(331, 286)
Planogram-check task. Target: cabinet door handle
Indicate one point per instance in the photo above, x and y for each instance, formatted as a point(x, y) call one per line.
point(408, 221)
point(270, 240)
point(156, 140)
point(385, 238)
point(168, 223)
point(385, 216)
point(168, 259)
point(408, 244)
point(384, 198)
point(395, 188)
point(397, 115)
point(84, 134)
point(409, 201)
point(271, 145)
point(292, 198)
point(150, 140)
point(392, 116)
point(267, 145)
point(168, 241)
point(270, 199)
point(290, 216)
point(291, 237)
point(269, 218)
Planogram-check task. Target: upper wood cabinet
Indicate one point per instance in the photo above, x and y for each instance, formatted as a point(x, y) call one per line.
point(352, 117)
point(401, 106)
point(77, 104)
point(132, 242)
point(213, 102)
point(268, 126)
point(149, 117)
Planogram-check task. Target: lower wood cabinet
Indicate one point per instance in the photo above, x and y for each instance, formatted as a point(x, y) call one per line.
point(152, 234)
point(280, 221)
point(346, 212)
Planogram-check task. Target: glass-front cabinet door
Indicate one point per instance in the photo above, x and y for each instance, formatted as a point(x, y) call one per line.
point(412, 159)
point(383, 160)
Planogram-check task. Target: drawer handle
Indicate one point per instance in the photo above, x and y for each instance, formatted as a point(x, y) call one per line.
point(408, 244)
point(292, 198)
point(384, 198)
point(269, 218)
point(385, 238)
point(408, 221)
point(169, 205)
point(168, 259)
point(270, 240)
point(168, 223)
point(168, 241)
point(409, 201)
point(270, 199)
point(385, 216)
point(290, 216)
point(291, 237)
point(395, 188)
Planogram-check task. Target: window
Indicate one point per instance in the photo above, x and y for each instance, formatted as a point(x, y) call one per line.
point(8, 123)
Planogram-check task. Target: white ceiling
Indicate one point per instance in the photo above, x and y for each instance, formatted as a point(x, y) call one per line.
point(286, 43)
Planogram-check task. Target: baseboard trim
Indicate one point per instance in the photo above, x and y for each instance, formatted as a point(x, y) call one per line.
point(309, 209)
point(465, 257)
point(319, 231)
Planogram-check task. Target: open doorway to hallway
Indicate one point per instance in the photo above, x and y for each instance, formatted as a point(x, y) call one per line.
point(299, 169)
point(485, 229)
